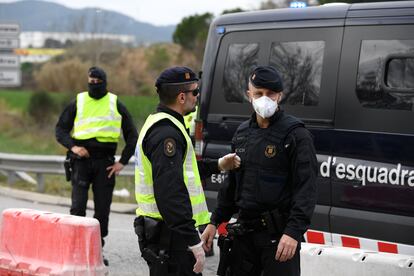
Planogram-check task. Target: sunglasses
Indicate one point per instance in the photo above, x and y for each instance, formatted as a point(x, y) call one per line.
point(195, 91)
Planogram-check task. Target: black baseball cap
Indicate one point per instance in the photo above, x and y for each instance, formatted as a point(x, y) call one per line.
point(266, 77)
point(176, 75)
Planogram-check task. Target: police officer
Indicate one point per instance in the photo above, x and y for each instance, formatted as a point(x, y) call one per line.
point(90, 127)
point(273, 191)
point(170, 197)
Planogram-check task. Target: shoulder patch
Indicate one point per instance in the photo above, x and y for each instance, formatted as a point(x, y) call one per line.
point(169, 147)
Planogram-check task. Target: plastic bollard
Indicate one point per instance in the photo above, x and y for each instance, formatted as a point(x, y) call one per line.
point(42, 243)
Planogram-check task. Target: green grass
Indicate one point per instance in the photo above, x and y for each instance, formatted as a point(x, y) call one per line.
point(28, 143)
point(16, 99)
point(139, 107)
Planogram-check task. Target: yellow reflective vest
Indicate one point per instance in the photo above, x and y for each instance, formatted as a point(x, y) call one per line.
point(98, 119)
point(189, 121)
point(144, 185)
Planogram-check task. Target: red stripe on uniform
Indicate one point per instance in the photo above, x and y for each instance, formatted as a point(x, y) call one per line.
point(315, 237)
point(387, 247)
point(350, 242)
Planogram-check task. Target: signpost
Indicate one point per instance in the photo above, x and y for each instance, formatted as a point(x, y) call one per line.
point(9, 43)
point(9, 61)
point(10, 74)
point(9, 78)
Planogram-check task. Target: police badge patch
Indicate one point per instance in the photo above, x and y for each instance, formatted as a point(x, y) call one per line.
point(169, 147)
point(270, 151)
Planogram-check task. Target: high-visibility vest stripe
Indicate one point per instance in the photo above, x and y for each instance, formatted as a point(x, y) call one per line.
point(98, 119)
point(144, 189)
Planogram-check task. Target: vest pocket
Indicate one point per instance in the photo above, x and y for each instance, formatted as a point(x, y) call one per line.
point(269, 187)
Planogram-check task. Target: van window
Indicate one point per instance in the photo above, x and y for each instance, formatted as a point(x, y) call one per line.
point(240, 61)
point(300, 64)
point(400, 73)
point(396, 74)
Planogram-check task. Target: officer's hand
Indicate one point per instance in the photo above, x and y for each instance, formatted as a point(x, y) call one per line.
point(208, 236)
point(229, 162)
point(80, 151)
point(115, 168)
point(200, 257)
point(286, 248)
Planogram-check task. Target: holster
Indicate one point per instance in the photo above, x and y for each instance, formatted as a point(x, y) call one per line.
point(237, 229)
point(224, 243)
point(154, 247)
point(68, 168)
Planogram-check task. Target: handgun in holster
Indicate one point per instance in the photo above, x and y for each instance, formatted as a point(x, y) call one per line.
point(149, 231)
point(67, 164)
point(68, 168)
point(225, 244)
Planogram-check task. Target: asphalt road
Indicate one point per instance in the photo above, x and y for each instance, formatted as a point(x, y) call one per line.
point(121, 247)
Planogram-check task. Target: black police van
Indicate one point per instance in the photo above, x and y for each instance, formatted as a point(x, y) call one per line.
point(348, 73)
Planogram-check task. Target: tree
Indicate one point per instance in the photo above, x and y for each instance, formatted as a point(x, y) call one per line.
point(191, 33)
point(273, 4)
point(233, 10)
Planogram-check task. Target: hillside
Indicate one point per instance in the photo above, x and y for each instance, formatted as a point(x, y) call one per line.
point(52, 17)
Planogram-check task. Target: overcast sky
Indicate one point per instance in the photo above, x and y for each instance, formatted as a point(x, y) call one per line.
point(160, 12)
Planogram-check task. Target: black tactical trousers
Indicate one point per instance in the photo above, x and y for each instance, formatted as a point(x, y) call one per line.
point(254, 254)
point(85, 172)
point(180, 263)
point(180, 260)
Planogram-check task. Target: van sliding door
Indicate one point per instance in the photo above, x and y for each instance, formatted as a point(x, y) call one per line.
point(308, 60)
point(372, 165)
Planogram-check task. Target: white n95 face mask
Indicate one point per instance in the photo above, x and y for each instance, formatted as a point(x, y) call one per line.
point(264, 106)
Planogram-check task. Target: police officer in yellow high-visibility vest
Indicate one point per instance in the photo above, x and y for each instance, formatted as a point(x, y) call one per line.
point(89, 128)
point(169, 193)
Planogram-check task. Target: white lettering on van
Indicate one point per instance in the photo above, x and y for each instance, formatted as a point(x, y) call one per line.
point(340, 171)
point(394, 175)
point(350, 171)
point(411, 179)
point(326, 167)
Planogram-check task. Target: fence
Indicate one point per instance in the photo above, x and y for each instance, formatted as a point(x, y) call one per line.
point(18, 165)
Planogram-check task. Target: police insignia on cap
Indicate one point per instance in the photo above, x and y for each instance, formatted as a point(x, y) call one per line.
point(270, 151)
point(187, 76)
point(169, 147)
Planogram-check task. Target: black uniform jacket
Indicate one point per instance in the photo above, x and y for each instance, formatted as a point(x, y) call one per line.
point(65, 124)
point(301, 196)
point(170, 192)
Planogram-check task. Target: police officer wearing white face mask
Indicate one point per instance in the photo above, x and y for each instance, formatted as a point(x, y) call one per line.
point(274, 190)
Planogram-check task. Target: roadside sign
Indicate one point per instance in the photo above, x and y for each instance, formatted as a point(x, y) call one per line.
point(9, 61)
point(10, 74)
point(9, 43)
point(9, 29)
point(10, 78)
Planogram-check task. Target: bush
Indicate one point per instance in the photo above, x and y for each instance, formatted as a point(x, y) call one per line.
point(42, 107)
point(66, 76)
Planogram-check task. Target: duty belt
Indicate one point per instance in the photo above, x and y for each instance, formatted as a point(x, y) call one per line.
point(272, 221)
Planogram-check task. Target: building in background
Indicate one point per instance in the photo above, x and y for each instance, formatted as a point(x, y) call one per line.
point(42, 46)
point(40, 39)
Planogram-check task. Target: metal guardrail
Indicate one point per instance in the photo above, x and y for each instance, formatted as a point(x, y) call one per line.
point(40, 165)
